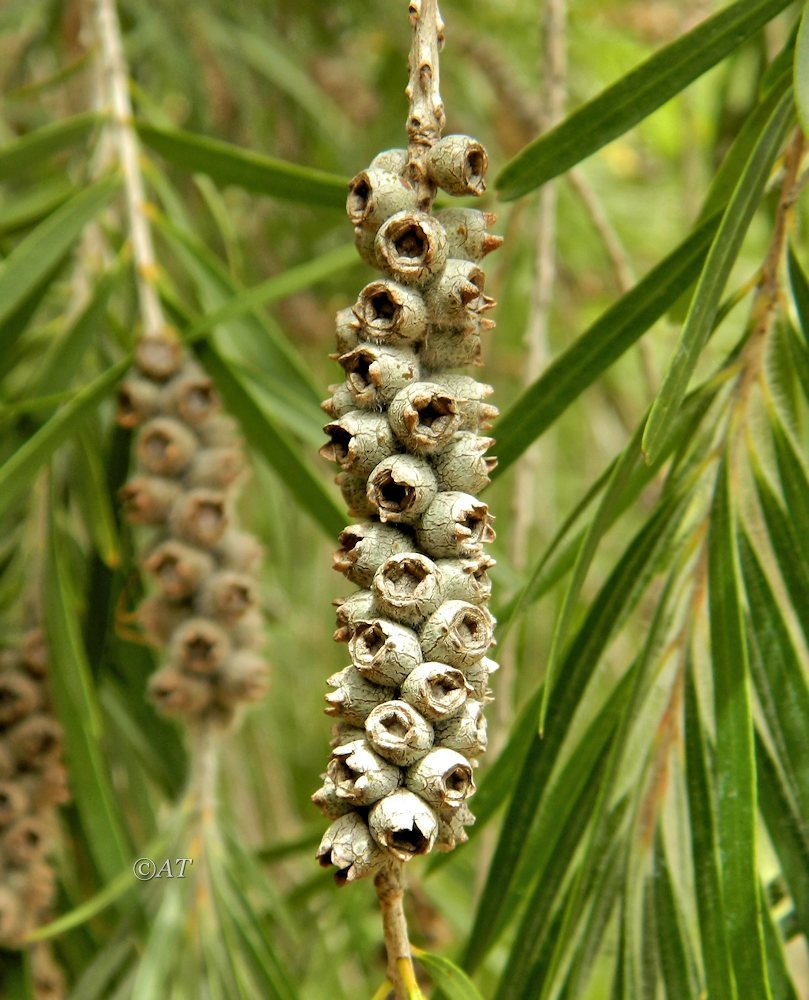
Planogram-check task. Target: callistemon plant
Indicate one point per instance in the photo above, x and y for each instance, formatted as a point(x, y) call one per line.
point(405, 431)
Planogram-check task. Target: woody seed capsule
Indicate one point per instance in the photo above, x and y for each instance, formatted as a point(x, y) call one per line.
point(19, 696)
point(451, 825)
point(404, 824)
point(200, 646)
point(436, 690)
point(467, 235)
point(165, 447)
point(178, 569)
point(35, 741)
point(340, 402)
point(443, 778)
point(349, 846)
point(360, 775)
point(328, 802)
point(180, 694)
point(392, 160)
point(355, 494)
point(359, 441)
point(451, 349)
point(458, 633)
point(383, 651)
point(424, 417)
point(375, 195)
point(466, 579)
point(227, 596)
point(216, 467)
point(458, 165)
point(242, 678)
point(137, 399)
point(354, 697)
point(191, 395)
point(456, 297)
point(477, 674)
point(476, 413)
point(462, 466)
point(351, 610)
point(465, 732)
point(407, 587)
point(159, 357)
point(375, 373)
point(347, 328)
point(412, 247)
point(23, 841)
point(148, 499)
point(391, 313)
point(398, 733)
point(13, 802)
point(365, 547)
point(401, 488)
point(455, 524)
point(199, 517)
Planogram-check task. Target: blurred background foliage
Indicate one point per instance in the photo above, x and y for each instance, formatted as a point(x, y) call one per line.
point(604, 813)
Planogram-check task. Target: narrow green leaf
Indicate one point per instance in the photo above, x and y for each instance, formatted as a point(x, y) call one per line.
point(800, 290)
point(452, 981)
point(42, 250)
point(33, 206)
point(635, 96)
point(735, 761)
point(17, 471)
point(229, 164)
point(263, 436)
point(16, 157)
point(673, 949)
point(780, 977)
point(90, 483)
point(721, 257)
point(711, 908)
point(598, 347)
point(802, 72)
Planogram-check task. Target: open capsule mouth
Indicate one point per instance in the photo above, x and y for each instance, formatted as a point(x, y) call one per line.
point(170, 574)
point(395, 725)
point(200, 651)
point(338, 448)
point(457, 782)
point(446, 688)
point(359, 199)
point(476, 164)
point(381, 310)
point(390, 495)
point(409, 841)
point(474, 524)
point(410, 243)
point(405, 580)
point(208, 518)
point(358, 372)
point(129, 412)
point(236, 600)
point(198, 400)
point(369, 640)
point(157, 449)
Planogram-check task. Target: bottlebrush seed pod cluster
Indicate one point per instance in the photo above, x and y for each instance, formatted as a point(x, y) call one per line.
point(405, 431)
point(204, 569)
point(33, 781)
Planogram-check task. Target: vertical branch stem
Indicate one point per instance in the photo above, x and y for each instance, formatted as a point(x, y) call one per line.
point(389, 885)
point(425, 118)
point(116, 78)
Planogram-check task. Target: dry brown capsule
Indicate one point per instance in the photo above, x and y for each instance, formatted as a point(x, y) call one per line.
point(375, 195)
point(242, 678)
point(401, 488)
point(199, 517)
point(239, 550)
point(340, 402)
point(354, 697)
point(443, 778)
point(412, 247)
point(391, 313)
point(424, 416)
point(467, 235)
point(465, 732)
point(375, 373)
point(200, 646)
point(398, 733)
point(14, 802)
point(191, 396)
point(436, 690)
point(360, 775)
point(227, 596)
point(19, 696)
point(137, 400)
point(359, 441)
point(24, 841)
point(350, 848)
point(463, 466)
point(458, 165)
point(458, 633)
point(159, 357)
point(178, 569)
point(384, 652)
point(407, 587)
point(451, 825)
point(365, 547)
point(217, 467)
point(177, 693)
point(148, 499)
point(12, 921)
point(159, 616)
point(404, 824)
point(328, 802)
point(165, 446)
point(466, 579)
point(36, 741)
point(455, 524)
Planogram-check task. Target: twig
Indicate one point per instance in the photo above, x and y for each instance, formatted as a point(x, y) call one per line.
point(426, 118)
point(116, 79)
point(389, 885)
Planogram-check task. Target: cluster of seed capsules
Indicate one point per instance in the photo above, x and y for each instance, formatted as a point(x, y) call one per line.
point(189, 466)
point(405, 433)
point(33, 781)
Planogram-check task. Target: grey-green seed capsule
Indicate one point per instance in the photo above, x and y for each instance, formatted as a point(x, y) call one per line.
point(159, 357)
point(391, 313)
point(455, 524)
point(412, 247)
point(458, 165)
point(398, 733)
point(350, 610)
point(191, 396)
point(329, 803)
point(353, 697)
point(424, 417)
point(365, 244)
point(217, 467)
point(350, 848)
point(383, 651)
point(375, 373)
point(450, 349)
point(466, 579)
point(365, 547)
point(467, 235)
point(477, 674)
point(443, 778)
point(228, 596)
point(359, 441)
point(476, 413)
point(392, 160)
point(137, 400)
point(458, 633)
point(165, 446)
point(404, 824)
point(340, 402)
point(360, 775)
point(451, 825)
point(456, 297)
point(347, 328)
point(178, 569)
point(407, 588)
point(148, 499)
point(436, 690)
point(199, 517)
point(465, 732)
point(401, 488)
point(200, 646)
point(355, 495)
point(375, 195)
point(462, 466)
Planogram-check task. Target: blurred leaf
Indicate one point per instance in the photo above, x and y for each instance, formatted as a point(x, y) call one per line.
point(594, 351)
point(229, 164)
point(37, 255)
point(777, 969)
point(726, 245)
point(16, 157)
point(27, 209)
point(452, 981)
point(800, 289)
point(90, 483)
point(676, 960)
point(635, 96)
point(734, 759)
point(802, 72)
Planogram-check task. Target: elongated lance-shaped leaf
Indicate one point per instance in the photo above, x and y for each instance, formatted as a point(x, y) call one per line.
point(39, 253)
point(80, 715)
point(599, 346)
point(453, 982)
point(735, 762)
point(228, 164)
point(711, 908)
point(633, 97)
point(32, 207)
point(673, 947)
point(34, 147)
point(783, 987)
point(725, 248)
point(800, 291)
point(802, 72)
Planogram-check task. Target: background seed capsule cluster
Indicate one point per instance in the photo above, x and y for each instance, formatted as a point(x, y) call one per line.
point(405, 432)
point(33, 781)
point(205, 606)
